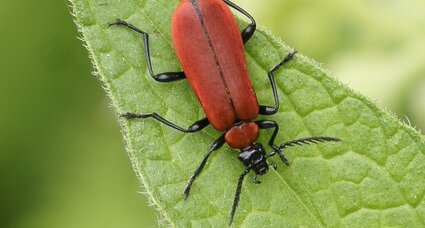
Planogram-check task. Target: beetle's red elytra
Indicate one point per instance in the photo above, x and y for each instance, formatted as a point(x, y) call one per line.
point(219, 74)
point(209, 47)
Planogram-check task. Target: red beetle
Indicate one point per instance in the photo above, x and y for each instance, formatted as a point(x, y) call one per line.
point(210, 49)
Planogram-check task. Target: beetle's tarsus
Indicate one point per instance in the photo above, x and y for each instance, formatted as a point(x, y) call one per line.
point(256, 181)
point(283, 158)
point(118, 22)
point(130, 115)
point(273, 165)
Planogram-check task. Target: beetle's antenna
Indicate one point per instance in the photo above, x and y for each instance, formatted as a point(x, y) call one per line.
point(238, 194)
point(300, 142)
point(307, 141)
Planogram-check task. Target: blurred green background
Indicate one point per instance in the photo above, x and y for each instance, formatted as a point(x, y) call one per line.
point(62, 158)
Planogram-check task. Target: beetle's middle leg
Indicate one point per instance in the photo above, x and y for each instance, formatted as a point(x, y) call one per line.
point(195, 127)
point(267, 110)
point(162, 77)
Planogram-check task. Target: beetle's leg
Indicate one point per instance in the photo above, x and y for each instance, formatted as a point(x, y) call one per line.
point(250, 29)
point(215, 146)
point(195, 127)
point(273, 165)
point(238, 194)
point(267, 110)
point(267, 124)
point(162, 77)
point(255, 180)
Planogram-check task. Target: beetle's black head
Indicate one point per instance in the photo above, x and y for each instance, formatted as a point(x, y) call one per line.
point(255, 157)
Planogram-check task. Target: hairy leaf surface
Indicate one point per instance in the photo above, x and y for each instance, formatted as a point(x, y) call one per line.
point(375, 177)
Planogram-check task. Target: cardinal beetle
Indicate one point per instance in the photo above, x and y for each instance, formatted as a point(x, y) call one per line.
point(210, 49)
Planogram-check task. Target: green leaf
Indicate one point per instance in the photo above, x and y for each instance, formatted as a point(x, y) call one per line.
point(374, 178)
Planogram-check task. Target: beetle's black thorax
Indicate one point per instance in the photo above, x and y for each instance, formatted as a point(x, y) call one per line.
point(254, 157)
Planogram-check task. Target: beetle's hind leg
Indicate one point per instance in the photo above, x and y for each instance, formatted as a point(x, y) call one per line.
point(195, 127)
point(162, 77)
point(267, 110)
point(250, 29)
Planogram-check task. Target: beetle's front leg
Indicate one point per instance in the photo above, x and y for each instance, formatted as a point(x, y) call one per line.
point(267, 124)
